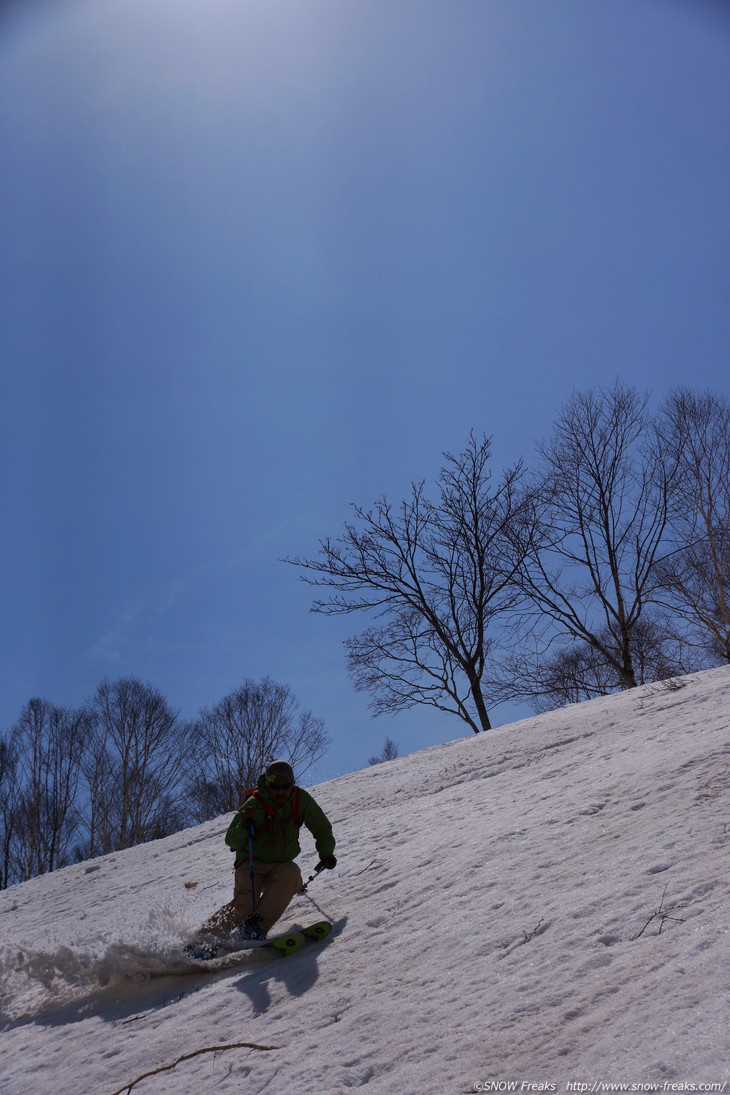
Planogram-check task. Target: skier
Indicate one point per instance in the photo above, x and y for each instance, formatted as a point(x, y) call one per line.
point(277, 807)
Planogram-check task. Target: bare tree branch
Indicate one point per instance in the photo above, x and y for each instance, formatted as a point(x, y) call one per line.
point(437, 577)
point(133, 766)
point(695, 430)
point(47, 747)
point(187, 1057)
point(602, 505)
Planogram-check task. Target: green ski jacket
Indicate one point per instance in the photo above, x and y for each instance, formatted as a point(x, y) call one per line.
point(276, 839)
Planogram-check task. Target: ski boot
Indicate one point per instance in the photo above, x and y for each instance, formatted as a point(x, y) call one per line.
point(251, 930)
point(202, 950)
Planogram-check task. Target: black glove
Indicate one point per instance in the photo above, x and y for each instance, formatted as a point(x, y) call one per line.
point(329, 862)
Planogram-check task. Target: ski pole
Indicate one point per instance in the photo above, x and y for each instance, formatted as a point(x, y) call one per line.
point(305, 892)
point(255, 918)
point(251, 830)
point(317, 869)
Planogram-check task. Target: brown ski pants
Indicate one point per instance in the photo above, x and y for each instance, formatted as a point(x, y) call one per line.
point(275, 885)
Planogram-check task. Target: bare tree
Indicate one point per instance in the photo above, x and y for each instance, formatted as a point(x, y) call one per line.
point(602, 502)
point(240, 735)
point(581, 671)
point(388, 752)
point(436, 576)
point(695, 430)
point(8, 808)
point(48, 743)
point(134, 766)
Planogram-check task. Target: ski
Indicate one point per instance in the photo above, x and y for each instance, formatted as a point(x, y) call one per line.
point(286, 944)
point(280, 946)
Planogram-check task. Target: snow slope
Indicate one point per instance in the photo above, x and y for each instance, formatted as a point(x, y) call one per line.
point(546, 903)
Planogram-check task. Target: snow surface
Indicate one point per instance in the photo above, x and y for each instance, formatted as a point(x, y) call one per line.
point(546, 903)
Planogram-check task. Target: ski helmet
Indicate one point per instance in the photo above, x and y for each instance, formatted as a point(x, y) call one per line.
point(280, 772)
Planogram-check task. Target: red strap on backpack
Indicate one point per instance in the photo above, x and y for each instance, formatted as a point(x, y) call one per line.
point(270, 809)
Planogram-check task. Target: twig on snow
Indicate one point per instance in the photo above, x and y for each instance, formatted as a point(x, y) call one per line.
point(662, 915)
point(186, 1057)
point(371, 864)
point(535, 931)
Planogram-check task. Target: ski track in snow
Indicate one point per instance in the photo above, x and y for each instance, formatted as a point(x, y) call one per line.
point(547, 902)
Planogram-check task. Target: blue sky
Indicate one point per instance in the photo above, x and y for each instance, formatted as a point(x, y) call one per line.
point(261, 260)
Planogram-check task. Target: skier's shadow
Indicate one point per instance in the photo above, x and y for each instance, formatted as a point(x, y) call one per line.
point(298, 974)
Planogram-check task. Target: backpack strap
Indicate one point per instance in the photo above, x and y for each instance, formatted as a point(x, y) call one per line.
point(296, 809)
point(270, 809)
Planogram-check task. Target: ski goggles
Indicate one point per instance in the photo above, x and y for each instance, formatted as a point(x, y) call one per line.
point(276, 783)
